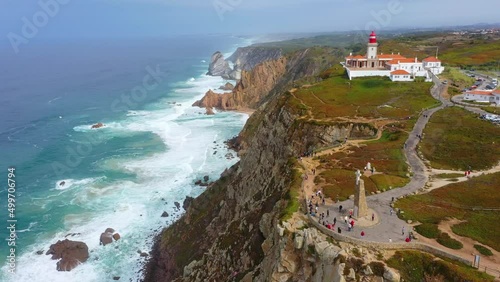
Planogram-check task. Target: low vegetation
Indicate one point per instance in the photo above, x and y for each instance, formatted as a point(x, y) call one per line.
point(368, 97)
point(428, 230)
point(448, 175)
point(483, 250)
point(457, 80)
point(415, 266)
point(445, 240)
point(386, 157)
point(292, 197)
point(456, 139)
point(467, 201)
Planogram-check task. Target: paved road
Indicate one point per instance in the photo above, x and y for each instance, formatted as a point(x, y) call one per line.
point(390, 226)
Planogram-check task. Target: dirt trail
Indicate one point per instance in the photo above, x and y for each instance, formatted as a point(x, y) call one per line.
point(438, 183)
point(468, 250)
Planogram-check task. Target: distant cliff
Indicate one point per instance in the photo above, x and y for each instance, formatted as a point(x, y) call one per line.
point(269, 77)
point(246, 58)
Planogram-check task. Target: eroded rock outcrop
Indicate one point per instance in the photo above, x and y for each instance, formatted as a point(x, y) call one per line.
point(250, 90)
point(218, 65)
point(69, 253)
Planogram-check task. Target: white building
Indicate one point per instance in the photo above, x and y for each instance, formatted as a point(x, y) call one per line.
point(374, 64)
point(483, 96)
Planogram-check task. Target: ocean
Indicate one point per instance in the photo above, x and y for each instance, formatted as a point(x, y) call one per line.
point(152, 148)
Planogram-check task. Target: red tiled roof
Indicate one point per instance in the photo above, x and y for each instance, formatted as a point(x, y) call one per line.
point(496, 92)
point(400, 72)
point(479, 92)
point(431, 60)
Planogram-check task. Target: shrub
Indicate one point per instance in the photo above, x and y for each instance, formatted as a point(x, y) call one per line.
point(445, 240)
point(428, 230)
point(377, 268)
point(483, 250)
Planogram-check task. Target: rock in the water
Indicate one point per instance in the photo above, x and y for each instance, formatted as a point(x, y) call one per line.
point(227, 87)
point(62, 183)
point(218, 65)
point(106, 238)
point(198, 182)
point(164, 214)
point(69, 253)
point(144, 254)
point(40, 252)
point(205, 178)
point(116, 277)
point(116, 236)
point(209, 111)
point(177, 205)
point(187, 202)
point(109, 230)
point(97, 125)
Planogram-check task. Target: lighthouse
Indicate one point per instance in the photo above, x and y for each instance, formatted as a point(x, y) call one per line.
point(371, 54)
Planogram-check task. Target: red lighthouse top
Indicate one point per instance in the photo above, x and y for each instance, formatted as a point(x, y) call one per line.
point(373, 37)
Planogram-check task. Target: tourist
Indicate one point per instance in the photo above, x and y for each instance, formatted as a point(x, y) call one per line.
point(334, 220)
point(349, 226)
point(352, 224)
point(340, 208)
point(323, 201)
point(327, 213)
point(391, 211)
point(390, 240)
point(403, 231)
point(362, 233)
point(373, 216)
point(345, 219)
point(339, 230)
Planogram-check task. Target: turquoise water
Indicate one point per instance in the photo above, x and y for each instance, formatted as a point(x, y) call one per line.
point(123, 175)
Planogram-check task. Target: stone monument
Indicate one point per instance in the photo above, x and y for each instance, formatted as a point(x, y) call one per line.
point(360, 206)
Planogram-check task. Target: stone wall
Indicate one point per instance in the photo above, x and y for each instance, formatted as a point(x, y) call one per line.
point(387, 246)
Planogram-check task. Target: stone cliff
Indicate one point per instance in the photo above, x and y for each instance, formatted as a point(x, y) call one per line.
point(218, 66)
point(246, 58)
point(270, 77)
point(232, 231)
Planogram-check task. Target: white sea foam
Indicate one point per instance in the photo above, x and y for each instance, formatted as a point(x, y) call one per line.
point(69, 183)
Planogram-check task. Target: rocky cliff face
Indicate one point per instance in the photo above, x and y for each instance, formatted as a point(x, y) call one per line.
point(251, 88)
point(231, 232)
point(270, 77)
point(218, 66)
point(246, 58)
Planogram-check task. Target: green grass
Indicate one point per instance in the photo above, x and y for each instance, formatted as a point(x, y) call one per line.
point(483, 250)
point(456, 139)
point(415, 266)
point(448, 175)
point(445, 240)
point(457, 200)
point(292, 196)
point(428, 230)
point(385, 155)
point(369, 97)
point(457, 77)
point(493, 110)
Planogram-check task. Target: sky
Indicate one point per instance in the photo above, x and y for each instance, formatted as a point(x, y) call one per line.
point(158, 18)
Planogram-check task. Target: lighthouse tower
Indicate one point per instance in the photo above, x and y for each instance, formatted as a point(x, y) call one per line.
point(371, 54)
